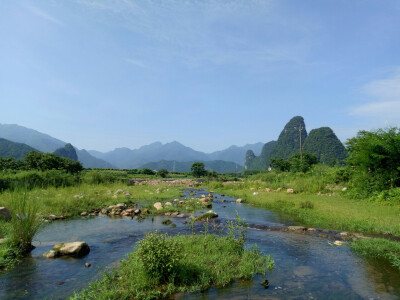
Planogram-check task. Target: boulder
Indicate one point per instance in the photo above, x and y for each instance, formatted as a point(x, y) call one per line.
point(343, 233)
point(84, 214)
point(158, 206)
point(5, 213)
point(239, 200)
point(118, 206)
point(268, 190)
point(51, 254)
point(296, 228)
point(290, 191)
point(77, 249)
point(338, 243)
point(137, 211)
point(104, 211)
point(168, 204)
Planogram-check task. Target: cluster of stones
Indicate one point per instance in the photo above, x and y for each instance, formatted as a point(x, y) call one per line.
point(120, 209)
point(75, 249)
point(168, 182)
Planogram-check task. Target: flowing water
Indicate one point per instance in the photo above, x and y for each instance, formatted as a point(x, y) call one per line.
point(307, 267)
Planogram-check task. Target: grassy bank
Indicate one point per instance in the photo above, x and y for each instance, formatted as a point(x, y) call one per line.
point(199, 262)
point(332, 210)
point(64, 201)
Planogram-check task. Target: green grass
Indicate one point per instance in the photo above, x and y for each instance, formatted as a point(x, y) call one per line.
point(324, 211)
point(379, 249)
point(71, 201)
point(205, 260)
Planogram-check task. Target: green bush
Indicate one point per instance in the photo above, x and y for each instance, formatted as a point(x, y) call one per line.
point(160, 255)
point(307, 204)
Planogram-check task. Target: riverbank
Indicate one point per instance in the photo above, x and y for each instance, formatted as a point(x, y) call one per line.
point(331, 210)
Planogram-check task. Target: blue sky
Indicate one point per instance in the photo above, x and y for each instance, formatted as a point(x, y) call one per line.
point(103, 74)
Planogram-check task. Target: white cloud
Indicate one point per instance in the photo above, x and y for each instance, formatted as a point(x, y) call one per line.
point(44, 15)
point(385, 96)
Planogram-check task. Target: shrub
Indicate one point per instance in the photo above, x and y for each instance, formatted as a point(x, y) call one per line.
point(160, 255)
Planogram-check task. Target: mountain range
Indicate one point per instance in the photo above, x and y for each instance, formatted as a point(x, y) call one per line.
point(125, 158)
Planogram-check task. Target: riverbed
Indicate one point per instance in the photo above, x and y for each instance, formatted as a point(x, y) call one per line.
point(307, 267)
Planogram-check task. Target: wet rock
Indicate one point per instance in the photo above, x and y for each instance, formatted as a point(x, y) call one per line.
point(296, 228)
point(265, 283)
point(344, 233)
point(311, 229)
point(174, 214)
point(104, 211)
point(338, 243)
point(51, 254)
point(290, 191)
point(208, 215)
point(166, 222)
point(239, 200)
point(158, 206)
point(137, 211)
point(76, 249)
point(84, 214)
point(88, 265)
point(167, 214)
point(5, 213)
point(222, 200)
point(53, 217)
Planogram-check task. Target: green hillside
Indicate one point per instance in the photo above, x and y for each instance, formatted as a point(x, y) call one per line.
point(68, 151)
point(15, 150)
point(259, 162)
point(219, 166)
point(324, 144)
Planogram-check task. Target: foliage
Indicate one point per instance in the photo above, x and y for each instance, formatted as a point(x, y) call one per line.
point(205, 260)
point(376, 157)
point(198, 169)
point(159, 255)
point(68, 151)
point(47, 161)
point(147, 171)
point(280, 164)
point(302, 163)
point(324, 144)
point(162, 173)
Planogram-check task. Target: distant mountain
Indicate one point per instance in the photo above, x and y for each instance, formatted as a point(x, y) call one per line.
point(68, 151)
point(45, 143)
point(219, 166)
point(12, 149)
point(125, 158)
point(324, 144)
point(89, 161)
point(260, 162)
point(235, 153)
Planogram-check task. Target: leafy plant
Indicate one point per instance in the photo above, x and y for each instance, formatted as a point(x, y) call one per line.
point(160, 255)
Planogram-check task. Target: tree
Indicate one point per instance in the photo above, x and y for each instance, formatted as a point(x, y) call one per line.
point(280, 164)
point(163, 173)
point(377, 155)
point(302, 164)
point(198, 169)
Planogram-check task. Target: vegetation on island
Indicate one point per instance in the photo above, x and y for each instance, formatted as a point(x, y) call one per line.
point(162, 265)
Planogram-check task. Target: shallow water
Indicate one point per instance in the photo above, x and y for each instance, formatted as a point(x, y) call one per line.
point(306, 267)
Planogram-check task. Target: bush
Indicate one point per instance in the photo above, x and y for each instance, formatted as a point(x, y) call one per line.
point(160, 255)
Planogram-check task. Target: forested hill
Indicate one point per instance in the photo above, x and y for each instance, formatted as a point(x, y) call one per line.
point(321, 142)
point(15, 150)
point(324, 144)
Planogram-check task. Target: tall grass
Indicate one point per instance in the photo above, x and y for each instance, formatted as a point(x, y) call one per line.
point(25, 222)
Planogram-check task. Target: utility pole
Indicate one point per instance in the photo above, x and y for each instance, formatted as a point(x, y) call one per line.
point(301, 146)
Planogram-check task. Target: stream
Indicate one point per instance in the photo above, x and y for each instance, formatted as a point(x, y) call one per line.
point(306, 267)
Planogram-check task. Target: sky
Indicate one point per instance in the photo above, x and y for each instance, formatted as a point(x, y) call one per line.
point(103, 74)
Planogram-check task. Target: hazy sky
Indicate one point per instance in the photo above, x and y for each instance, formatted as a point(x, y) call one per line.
point(103, 74)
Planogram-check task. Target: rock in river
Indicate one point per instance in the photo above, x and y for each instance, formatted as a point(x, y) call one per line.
point(76, 249)
point(5, 213)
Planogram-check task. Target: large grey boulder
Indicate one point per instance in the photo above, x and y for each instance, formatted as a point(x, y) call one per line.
point(5, 213)
point(76, 249)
